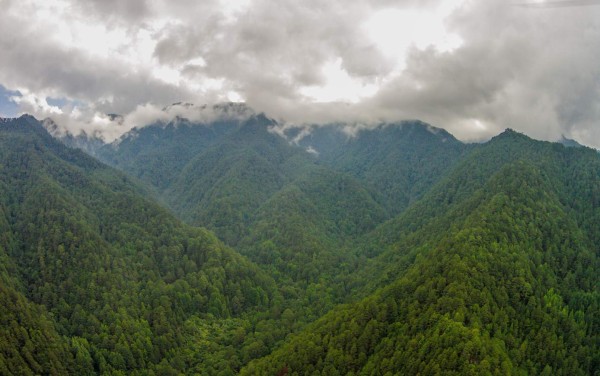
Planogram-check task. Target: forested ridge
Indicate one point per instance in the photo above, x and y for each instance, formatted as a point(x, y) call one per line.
point(398, 250)
point(123, 280)
point(511, 289)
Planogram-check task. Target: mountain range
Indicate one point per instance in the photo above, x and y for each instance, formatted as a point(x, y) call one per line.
point(226, 246)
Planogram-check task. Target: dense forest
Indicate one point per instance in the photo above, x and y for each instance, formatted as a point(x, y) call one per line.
point(226, 248)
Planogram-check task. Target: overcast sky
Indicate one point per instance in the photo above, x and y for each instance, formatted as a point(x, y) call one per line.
point(473, 67)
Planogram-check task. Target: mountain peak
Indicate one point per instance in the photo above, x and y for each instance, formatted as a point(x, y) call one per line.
point(510, 131)
point(116, 118)
point(24, 124)
point(568, 142)
point(25, 119)
point(230, 108)
point(511, 134)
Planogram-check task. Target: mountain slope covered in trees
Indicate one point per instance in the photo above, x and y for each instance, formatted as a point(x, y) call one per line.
point(218, 174)
point(504, 282)
point(397, 250)
point(103, 280)
point(400, 161)
point(294, 212)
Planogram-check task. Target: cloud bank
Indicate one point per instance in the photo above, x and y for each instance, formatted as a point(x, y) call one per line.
point(471, 67)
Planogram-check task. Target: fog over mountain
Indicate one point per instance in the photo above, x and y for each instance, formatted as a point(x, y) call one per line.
point(299, 187)
point(473, 68)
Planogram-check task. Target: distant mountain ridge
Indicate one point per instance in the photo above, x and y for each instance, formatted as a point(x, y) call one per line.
point(88, 143)
point(569, 142)
point(399, 160)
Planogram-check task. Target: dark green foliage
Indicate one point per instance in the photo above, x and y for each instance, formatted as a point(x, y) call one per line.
point(283, 207)
point(499, 293)
point(300, 230)
point(119, 275)
point(215, 175)
point(399, 161)
point(222, 187)
point(29, 343)
point(303, 234)
point(448, 258)
point(157, 153)
point(574, 174)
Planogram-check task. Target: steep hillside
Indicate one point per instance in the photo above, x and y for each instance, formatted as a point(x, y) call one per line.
point(574, 174)
point(89, 143)
point(126, 286)
point(304, 233)
point(219, 174)
point(450, 258)
point(399, 161)
point(29, 341)
point(502, 278)
point(157, 153)
point(224, 185)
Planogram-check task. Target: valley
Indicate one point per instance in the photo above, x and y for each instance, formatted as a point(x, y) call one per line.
point(225, 248)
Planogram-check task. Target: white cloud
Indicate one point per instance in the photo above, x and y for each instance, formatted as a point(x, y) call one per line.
point(34, 104)
point(396, 30)
point(473, 67)
point(338, 86)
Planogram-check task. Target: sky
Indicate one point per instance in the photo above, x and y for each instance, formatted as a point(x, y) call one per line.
point(473, 67)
